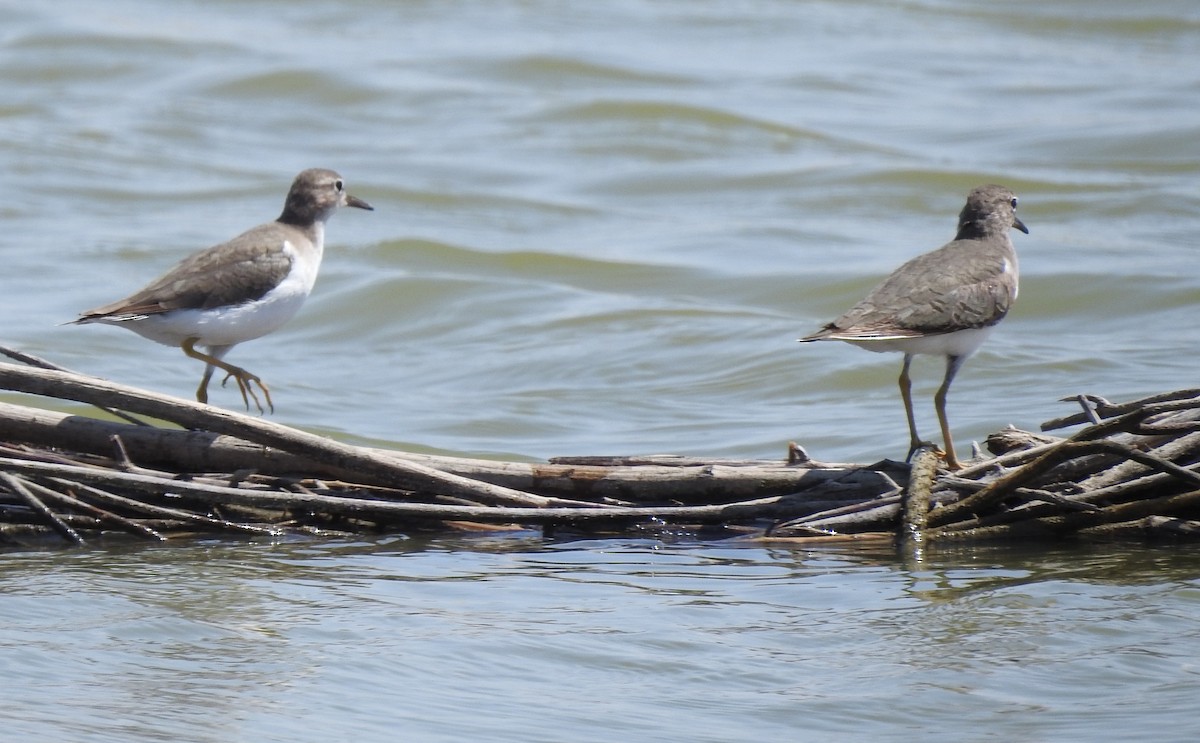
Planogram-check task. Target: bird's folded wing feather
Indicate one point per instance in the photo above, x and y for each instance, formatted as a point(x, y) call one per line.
point(949, 289)
point(241, 270)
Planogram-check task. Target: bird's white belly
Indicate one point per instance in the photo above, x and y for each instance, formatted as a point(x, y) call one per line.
point(958, 343)
point(225, 326)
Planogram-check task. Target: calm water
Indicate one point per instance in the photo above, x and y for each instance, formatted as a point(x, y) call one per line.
point(600, 228)
point(517, 640)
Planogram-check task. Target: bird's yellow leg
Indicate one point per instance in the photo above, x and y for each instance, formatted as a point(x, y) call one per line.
point(914, 440)
point(243, 378)
point(939, 402)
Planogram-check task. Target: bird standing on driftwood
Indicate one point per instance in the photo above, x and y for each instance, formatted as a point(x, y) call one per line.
point(238, 290)
point(945, 302)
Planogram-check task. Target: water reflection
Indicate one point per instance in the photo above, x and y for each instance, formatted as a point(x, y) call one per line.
point(487, 620)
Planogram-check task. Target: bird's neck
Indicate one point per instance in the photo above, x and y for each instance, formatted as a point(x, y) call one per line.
point(314, 231)
point(973, 231)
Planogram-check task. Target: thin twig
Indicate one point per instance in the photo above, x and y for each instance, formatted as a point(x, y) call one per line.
point(162, 512)
point(71, 502)
point(1096, 407)
point(1062, 524)
point(17, 485)
point(1002, 488)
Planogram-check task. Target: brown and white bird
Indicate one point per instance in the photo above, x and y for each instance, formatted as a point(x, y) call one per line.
point(945, 302)
point(239, 290)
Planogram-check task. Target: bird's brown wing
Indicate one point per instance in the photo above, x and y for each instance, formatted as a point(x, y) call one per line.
point(952, 288)
point(241, 270)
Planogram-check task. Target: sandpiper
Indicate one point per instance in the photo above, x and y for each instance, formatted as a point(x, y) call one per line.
point(238, 290)
point(945, 302)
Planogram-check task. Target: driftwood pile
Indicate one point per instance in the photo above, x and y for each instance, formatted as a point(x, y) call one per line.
point(193, 468)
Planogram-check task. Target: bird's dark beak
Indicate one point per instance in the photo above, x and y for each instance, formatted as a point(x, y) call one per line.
point(360, 204)
point(1016, 223)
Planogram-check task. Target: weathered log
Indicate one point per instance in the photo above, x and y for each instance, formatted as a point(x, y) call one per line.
point(195, 415)
point(1130, 469)
point(915, 513)
point(385, 510)
point(627, 481)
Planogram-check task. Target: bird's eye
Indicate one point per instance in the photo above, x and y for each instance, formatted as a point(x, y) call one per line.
point(337, 185)
point(1014, 201)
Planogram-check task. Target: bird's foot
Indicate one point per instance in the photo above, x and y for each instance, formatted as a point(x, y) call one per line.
point(916, 445)
point(952, 462)
point(245, 381)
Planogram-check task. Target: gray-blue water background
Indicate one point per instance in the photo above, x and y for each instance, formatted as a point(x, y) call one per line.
point(600, 228)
